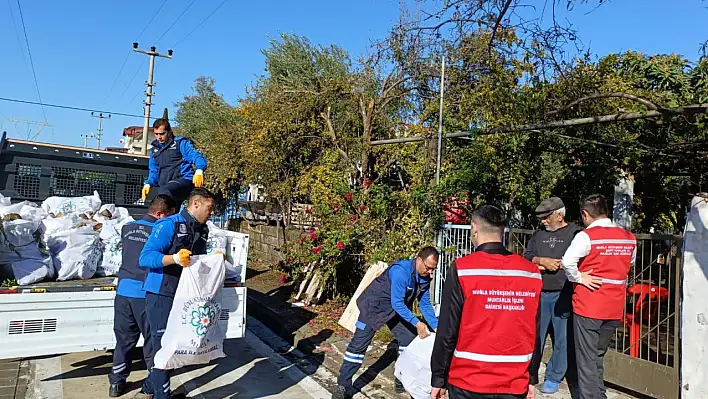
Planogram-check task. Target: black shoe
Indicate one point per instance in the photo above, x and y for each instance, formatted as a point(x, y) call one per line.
point(178, 396)
point(116, 390)
point(398, 387)
point(341, 392)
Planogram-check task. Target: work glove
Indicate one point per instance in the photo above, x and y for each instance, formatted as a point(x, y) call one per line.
point(183, 257)
point(146, 191)
point(198, 178)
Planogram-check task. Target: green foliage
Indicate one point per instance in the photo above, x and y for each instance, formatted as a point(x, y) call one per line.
point(304, 127)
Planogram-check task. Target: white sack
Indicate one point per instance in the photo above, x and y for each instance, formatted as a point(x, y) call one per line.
point(76, 253)
point(112, 247)
point(68, 205)
point(28, 263)
point(51, 226)
point(218, 241)
point(413, 367)
point(19, 232)
point(194, 334)
point(5, 201)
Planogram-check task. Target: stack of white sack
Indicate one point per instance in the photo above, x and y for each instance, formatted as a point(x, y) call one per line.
point(413, 367)
point(218, 240)
point(111, 242)
point(20, 243)
point(83, 236)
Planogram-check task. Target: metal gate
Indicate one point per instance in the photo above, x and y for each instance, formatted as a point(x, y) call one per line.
point(644, 353)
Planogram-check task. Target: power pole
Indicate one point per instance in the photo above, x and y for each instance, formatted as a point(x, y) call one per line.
point(440, 122)
point(86, 137)
point(148, 93)
point(100, 127)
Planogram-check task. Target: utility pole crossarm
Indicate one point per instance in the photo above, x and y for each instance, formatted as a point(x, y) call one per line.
point(152, 53)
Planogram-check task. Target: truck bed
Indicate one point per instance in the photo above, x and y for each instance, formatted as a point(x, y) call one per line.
point(92, 284)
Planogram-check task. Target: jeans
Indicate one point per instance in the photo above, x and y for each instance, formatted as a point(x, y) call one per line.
point(554, 308)
point(158, 311)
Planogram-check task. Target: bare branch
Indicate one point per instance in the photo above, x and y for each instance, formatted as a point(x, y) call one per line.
point(333, 134)
point(497, 24)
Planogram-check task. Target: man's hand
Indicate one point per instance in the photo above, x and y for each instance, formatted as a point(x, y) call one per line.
point(146, 191)
point(438, 393)
point(531, 393)
point(422, 330)
point(591, 282)
point(183, 257)
point(550, 264)
point(198, 178)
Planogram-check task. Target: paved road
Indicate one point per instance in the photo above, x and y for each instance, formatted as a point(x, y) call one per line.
point(250, 370)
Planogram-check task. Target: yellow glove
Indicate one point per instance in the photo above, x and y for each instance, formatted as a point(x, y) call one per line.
point(198, 178)
point(146, 191)
point(221, 253)
point(183, 257)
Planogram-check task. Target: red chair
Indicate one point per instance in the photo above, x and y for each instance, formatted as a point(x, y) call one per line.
point(647, 298)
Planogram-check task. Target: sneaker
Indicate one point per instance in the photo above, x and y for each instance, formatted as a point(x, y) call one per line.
point(398, 386)
point(116, 390)
point(550, 387)
point(341, 392)
point(178, 396)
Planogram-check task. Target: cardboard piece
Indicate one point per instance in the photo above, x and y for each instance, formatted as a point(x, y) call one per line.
point(351, 313)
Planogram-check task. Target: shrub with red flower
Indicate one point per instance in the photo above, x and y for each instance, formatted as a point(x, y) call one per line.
point(283, 279)
point(349, 197)
point(353, 217)
point(302, 240)
point(316, 250)
point(340, 245)
point(313, 236)
point(308, 211)
point(368, 183)
point(362, 208)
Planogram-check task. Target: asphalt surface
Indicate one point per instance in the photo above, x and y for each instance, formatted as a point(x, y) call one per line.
point(250, 370)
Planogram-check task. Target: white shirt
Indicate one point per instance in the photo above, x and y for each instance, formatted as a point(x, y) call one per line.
point(580, 248)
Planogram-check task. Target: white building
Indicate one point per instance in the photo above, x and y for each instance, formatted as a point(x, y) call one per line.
point(132, 139)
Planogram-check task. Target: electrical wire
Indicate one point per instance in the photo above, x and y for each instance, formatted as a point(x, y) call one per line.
point(29, 51)
point(200, 24)
point(14, 100)
point(125, 61)
point(176, 20)
point(193, 30)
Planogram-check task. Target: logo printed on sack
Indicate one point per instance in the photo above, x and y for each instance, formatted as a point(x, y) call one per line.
point(67, 207)
point(202, 319)
point(116, 246)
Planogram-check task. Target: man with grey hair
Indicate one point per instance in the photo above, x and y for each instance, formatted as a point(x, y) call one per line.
point(545, 249)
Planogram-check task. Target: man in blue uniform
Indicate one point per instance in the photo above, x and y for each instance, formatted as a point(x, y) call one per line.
point(130, 317)
point(176, 167)
point(388, 301)
point(169, 248)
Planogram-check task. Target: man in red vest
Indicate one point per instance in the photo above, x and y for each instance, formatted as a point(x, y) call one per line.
point(598, 262)
point(487, 326)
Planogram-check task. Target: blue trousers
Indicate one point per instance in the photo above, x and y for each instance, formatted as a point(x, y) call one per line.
point(555, 308)
point(129, 322)
point(354, 356)
point(158, 311)
point(178, 190)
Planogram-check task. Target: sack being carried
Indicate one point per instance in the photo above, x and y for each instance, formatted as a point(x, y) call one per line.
point(413, 367)
point(194, 334)
point(112, 247)
point(217, 243)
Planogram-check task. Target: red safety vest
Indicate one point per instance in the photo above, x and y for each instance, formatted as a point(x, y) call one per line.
point(610, 258)
point(498, 326)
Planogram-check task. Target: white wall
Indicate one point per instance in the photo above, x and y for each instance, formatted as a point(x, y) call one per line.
point(694, 306)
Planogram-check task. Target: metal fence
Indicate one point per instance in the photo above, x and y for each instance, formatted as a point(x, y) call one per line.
point(644, 353)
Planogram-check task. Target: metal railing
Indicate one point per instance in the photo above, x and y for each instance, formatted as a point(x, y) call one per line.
point(644, 353)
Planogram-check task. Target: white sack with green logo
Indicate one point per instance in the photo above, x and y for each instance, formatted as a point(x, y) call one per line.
point(194, 334)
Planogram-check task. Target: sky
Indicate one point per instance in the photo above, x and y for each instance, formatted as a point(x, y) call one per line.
point(79, 46)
